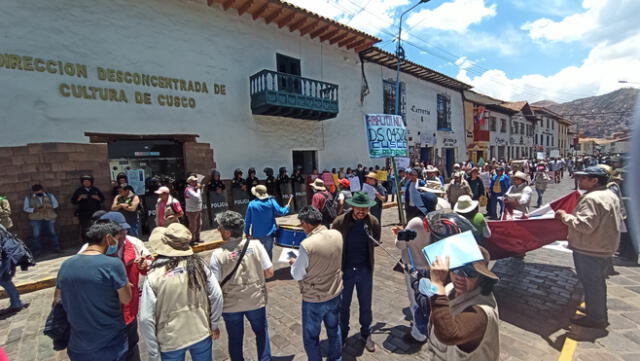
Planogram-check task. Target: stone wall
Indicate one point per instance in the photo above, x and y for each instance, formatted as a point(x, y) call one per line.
point(58, 167)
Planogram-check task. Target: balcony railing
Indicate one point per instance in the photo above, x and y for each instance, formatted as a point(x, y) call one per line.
point(286, 95)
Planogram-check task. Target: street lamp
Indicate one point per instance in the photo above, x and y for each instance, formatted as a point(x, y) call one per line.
point(400, 59)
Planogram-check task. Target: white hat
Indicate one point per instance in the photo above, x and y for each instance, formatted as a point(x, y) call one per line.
point(163, 190)
point(521, 175)
point(432, 187)
point(318, 184)
point(465, 204)
point(260, 192)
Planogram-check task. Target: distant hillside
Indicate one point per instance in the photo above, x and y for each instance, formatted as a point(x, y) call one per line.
point(612, 112)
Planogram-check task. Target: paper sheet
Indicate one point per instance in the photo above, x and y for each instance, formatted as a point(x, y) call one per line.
point(461, 249)
point(287, 253)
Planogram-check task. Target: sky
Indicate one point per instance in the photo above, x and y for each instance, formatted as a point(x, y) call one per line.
point(531, 50)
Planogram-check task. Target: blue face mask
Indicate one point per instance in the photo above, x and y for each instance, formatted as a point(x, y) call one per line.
point(112, 249)
point(426, 287)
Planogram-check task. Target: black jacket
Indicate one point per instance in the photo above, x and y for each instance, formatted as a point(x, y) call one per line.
point(87, 206)
point(57, 327)
point(343, 223)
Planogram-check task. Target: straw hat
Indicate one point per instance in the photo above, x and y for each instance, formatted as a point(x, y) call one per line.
point(318, 184)
point(171, 241)
point(162, 190)
point(192, 179)
point(521, 175)
point(465, 204)
point(432, 187)
point(260, 192)
point(371, 175)
point(432, 169)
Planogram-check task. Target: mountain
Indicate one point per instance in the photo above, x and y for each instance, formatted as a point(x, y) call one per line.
point(599, 116)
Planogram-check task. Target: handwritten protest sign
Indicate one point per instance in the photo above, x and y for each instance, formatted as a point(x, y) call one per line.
point(386, 135)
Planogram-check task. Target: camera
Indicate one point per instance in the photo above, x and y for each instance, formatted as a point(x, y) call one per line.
point(407, 235)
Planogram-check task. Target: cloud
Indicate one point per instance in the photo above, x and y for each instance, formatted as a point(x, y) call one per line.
point(601, 20)
point(456, 16)
point(547, 7)
point(599, 73)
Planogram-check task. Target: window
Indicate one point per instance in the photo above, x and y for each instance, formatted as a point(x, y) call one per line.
point(492, 124)
point(553, 125)
point(536, 139)
point(522, 128)
point(548, 141)
point(389, 98)
point(503, 125)
point(444, 112)
point(288, 65)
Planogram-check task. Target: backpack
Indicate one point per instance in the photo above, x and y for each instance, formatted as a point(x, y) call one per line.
point(329, 211)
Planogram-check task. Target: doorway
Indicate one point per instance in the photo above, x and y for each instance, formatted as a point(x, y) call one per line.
point(288, 65)
point(307, 159)
point(449, 159)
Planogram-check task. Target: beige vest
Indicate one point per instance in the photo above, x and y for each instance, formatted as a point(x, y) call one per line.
point(516, 194)
point(182, 315)
point(323, 281)
point(246, 290)
point(40, 212)
point(489, 347)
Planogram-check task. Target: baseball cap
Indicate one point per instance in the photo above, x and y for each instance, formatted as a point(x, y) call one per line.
point(116, 217)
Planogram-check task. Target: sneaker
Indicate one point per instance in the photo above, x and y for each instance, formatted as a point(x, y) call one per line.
point(369, 344)
point(588, 322)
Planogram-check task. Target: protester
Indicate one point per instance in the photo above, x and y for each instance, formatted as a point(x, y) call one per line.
point(498, 187)
point(476, 184)
point(540, 180)
point(464, 315)
point(518, 197)
point(168, 209)
point(433, 174)
point(361, 232)
point(594, 235)
point(327, 178)
point(88, 199)
point(5, 213)
point(457, 187)
point(322, 200)
point(193, 207)
point(344, 193)
point(242, 265)
point(127, 203)
point(260, 220)
point(41, 209)
point(121, 181)
point(92, 287)
point(412, 198)
point(251, 182)
point(180, 293)
point(468, 208)
point(318, 270)
point(14, 253)
point(360, 173)
point(375, 192)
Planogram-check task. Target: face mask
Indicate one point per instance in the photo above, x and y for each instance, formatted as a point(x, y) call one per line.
point(112, 249)
point(426, 287)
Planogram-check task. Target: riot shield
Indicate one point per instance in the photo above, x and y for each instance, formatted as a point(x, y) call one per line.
point(240, 200)
point(286, 190)
point(150, 201)
point(217, 204)
point(301, 199)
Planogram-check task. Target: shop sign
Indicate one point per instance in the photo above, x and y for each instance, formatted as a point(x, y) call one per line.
point(427, 139)
point(418, 110)
point(449, 142)
point(386, 135)
point(500, 141)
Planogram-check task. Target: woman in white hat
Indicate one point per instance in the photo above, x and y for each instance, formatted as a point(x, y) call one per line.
point(468, 208)
point(518, 197)
point(180, 293)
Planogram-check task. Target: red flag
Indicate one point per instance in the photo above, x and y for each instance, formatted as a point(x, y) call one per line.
point(511, 237)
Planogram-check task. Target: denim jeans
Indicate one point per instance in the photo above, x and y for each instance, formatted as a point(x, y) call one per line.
point(12, 291)
point(201, 351)
point(313, 314)
point(267, 242)
point(116, 350)
point(235, 329)
point(362, 280)
point(540, 193)
point(50, 228)
point(492, 207)
point(592, 272)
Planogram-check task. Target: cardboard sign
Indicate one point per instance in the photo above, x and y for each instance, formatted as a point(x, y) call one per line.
point(540, 155)
point(354, 183)
point(554, 153)
point(386, 135)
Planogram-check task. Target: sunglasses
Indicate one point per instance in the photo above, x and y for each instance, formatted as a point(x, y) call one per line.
point(466, 271)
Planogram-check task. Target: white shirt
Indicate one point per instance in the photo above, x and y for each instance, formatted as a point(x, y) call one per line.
point(370, 190)
point(193, 199)
point(265, 260)
point(299, 268)
point(526, 194)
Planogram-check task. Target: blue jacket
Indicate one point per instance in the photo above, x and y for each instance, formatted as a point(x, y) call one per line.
point(13, 253)
point(260, 220)
point(504, 184)
point(407, 194)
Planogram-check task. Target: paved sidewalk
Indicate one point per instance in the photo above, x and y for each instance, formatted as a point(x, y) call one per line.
point(536, 297)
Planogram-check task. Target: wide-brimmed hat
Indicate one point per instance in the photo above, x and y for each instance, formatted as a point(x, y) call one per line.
point(465, 204)
point(432, 169)
point(371, 175)
point(361, 200)
point(118, 218)
point(171, 241)
point(458, 174)
point(163, 190)
point(260, 192)
point(482, 266)
point(192, 179)
point(433, 187)
point(318, 185)
point(474, 169)
point(521, 175)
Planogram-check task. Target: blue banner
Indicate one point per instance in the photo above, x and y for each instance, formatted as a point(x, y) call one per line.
point(386, 135)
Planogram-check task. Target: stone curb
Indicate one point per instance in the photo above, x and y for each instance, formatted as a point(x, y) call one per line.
point(51, 281)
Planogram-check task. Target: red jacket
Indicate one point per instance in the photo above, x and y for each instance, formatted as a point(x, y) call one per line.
point(130, 311)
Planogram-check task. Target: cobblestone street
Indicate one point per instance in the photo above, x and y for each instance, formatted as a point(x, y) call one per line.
point(536, 295)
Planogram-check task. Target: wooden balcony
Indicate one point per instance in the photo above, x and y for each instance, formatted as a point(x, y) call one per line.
point(481, 135)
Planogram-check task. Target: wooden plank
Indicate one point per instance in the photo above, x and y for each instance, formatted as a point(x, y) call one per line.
point(338, 38)
point(355, 44)
point(298, 24)
point(347, 40)
point(329, 35)
point(308, 28)
point(244, 7)
point(287, 19)
point(274, 15)
point(320, 31)
point(256, 14)
point(364, 47)
point(227, 4)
